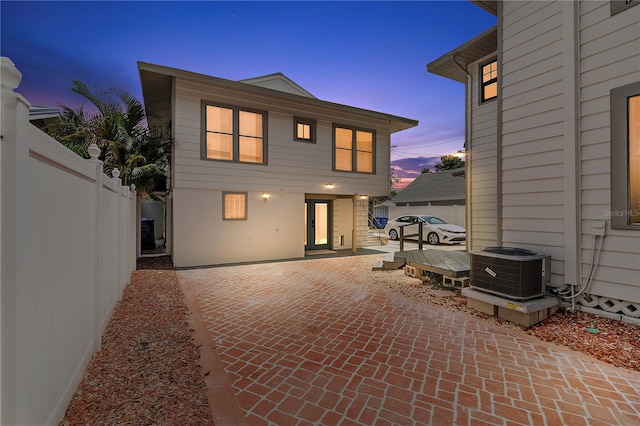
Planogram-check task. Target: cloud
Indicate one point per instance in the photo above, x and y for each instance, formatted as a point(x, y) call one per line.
point(412, 167)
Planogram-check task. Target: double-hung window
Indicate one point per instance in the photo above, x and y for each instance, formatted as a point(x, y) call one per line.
point(353, 149)
point(625, 157)
point(234, 134)
point(488, 80)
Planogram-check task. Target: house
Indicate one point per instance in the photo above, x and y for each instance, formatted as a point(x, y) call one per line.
point(262, 169)
point(550, 94)
point(440, 194)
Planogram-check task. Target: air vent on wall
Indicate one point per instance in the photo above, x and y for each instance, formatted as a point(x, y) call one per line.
point(510, 272)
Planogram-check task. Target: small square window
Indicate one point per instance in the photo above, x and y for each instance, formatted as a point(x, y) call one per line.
point(234, 205)
point(304, 129)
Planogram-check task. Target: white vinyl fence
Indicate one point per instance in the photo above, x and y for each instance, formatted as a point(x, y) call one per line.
point(68, 248)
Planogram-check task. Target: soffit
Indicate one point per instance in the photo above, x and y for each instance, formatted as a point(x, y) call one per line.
point(490, 6)
point(453, 64)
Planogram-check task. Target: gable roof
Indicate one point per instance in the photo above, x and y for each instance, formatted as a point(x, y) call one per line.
point(278, 81)
point(156, 81)
point(447, 185)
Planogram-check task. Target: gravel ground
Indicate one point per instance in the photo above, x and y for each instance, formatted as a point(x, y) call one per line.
point(147, 371)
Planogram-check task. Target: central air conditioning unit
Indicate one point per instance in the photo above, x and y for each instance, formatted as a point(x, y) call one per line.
point(510, 272)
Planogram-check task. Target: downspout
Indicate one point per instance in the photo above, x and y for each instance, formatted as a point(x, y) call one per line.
point(499, 241)
point(467, 148)
point(571, 136)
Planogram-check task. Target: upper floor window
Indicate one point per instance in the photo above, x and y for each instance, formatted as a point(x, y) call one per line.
point(625, 157)
point(304, 129)
point(618, 6)
point(234, 134)
point(489, 80)
point(353, 149)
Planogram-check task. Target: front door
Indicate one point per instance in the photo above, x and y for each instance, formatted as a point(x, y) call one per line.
point(317, 233)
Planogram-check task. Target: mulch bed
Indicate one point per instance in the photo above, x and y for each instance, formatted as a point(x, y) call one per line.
point(603, 338)
point(148, 373)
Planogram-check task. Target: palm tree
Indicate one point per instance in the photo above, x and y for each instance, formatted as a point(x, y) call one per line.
point(119, 128)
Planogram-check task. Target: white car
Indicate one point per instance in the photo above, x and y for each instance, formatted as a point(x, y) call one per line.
point(435, 230)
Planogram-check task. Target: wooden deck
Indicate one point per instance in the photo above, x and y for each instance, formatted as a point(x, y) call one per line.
point(454, 264)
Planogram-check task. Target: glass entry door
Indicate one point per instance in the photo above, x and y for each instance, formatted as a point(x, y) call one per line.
point(317, 233)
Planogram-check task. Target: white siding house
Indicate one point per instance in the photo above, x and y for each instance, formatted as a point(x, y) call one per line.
point(263, 170)
point(554, 157)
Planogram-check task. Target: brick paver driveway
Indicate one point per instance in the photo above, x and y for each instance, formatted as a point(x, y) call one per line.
point(312, 342)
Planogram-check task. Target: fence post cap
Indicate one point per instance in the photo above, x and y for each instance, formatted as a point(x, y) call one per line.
point(11, 77)
point(94, 151)
point(115, 173)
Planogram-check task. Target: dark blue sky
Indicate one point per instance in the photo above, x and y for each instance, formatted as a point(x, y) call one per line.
point(370, 55)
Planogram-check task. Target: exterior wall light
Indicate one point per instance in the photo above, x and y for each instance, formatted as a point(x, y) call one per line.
point(329, 186)
point(266, 196)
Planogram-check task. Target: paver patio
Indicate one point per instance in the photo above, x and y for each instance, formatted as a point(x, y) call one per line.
point(312, 342)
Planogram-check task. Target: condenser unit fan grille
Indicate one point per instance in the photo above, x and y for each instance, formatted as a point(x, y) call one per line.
point(516, 276)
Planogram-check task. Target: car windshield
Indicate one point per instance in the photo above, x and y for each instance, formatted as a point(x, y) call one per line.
point(432, 220)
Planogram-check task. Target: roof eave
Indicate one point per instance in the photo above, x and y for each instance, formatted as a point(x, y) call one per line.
point(397, 123)
point(453, 64)
point(490, 6)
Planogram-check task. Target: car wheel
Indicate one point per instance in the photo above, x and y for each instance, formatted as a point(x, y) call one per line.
point(433, 238)
point(393, 234)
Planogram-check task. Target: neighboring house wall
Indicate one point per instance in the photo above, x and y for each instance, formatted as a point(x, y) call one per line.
point(481, 166)
point(68, 247)
point(441, 194)
point(556, 180)
point(560, 162)
point(534, 158)
point(610, 58)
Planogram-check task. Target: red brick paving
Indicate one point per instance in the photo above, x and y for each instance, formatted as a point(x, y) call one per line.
point(311, 342)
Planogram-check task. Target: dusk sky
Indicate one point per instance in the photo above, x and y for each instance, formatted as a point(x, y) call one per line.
point(370, 55)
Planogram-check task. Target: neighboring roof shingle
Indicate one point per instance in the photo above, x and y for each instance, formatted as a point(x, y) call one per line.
point(447, 185)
